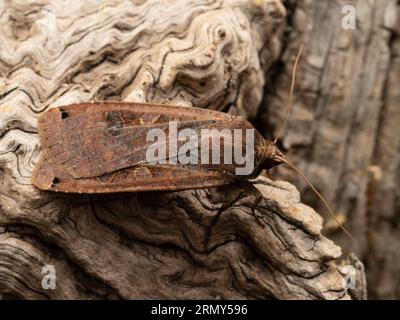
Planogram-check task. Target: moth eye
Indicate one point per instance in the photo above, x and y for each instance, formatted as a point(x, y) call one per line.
point(55, 181)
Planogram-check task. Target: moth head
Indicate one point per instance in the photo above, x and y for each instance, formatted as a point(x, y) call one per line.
point(271, 155)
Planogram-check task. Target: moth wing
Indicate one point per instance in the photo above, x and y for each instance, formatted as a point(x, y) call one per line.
point(93, 139)
point(48, 176)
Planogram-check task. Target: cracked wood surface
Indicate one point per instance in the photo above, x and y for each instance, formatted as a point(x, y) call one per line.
point(190, 244)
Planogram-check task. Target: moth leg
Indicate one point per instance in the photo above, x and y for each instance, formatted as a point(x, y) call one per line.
point(220, 195)
point(253, 210)
point(250, 190)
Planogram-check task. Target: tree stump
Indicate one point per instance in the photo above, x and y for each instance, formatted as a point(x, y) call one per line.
point(192, 244)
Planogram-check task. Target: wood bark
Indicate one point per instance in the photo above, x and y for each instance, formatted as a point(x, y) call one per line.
point(208, 243)
point(343, 132)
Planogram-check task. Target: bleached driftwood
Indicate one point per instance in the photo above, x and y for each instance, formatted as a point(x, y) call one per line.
point(191, 244)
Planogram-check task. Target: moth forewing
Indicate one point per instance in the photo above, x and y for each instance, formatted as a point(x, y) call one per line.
point(116, 147)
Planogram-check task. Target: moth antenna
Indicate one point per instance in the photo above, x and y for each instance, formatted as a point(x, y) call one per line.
point(290, 104)
point(322, 198)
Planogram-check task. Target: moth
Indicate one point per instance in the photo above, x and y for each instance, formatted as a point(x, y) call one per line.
point(103, 147)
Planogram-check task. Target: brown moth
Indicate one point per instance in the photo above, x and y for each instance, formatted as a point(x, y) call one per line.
point(101, 148)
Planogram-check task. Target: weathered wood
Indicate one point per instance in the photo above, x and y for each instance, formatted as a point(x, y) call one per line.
point(343, 132)
point(191, 244)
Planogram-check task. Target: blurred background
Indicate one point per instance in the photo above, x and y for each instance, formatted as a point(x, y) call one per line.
point(344, 129)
